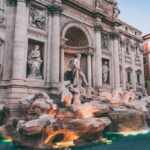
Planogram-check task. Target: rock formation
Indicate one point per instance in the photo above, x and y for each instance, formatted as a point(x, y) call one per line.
point(39, 122)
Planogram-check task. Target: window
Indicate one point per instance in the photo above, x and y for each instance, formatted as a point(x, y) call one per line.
point(1, 11)
point(145, 60)
point(129, 77)
point(137, 51)
point(138, 79)
point(2, 4)
point(127, 48)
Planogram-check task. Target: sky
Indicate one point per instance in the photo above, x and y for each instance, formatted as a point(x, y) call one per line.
point(136, 13)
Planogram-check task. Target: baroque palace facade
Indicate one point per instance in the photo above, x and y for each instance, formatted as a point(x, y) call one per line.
point(38, 38)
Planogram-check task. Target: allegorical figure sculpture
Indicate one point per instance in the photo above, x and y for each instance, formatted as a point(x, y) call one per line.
point(34, 63)
point(105, 72)
point(78, 76)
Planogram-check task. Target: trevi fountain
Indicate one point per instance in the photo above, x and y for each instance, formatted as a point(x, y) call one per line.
point(83, 116)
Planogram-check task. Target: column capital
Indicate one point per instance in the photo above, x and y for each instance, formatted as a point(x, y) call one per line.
point(114, 35)
point(55, 9)
point(98, 26)
point(14, 2)
point(90, 51)
point(21, 1)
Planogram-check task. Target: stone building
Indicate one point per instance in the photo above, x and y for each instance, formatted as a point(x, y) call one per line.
point(146, 39)
point(38, 38)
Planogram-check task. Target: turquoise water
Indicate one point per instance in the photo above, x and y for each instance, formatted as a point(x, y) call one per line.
point(139, 142)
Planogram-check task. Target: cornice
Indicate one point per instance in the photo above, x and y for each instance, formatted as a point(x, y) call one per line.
point(131, 36)
point(75, 4)
point(91, 11)
point(54, 9)
point(114, 34)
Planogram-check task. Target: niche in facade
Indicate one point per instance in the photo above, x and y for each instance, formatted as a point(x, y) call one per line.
point(106, 71)
point(76, 37)
point(35, 60)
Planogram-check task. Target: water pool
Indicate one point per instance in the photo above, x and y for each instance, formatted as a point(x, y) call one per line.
point(139, 142)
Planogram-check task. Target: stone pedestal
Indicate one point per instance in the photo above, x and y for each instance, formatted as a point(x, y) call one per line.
point(20, 42)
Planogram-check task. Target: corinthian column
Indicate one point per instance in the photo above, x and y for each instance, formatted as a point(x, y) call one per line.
point(98, 56)
point(141, 49)
point(20, 41)
point(134, 78)
point(116, 68)
point(89, 63)
point(55, 47)
point(123, 65)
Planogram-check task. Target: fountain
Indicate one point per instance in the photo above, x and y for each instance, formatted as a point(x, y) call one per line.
point(38, 122)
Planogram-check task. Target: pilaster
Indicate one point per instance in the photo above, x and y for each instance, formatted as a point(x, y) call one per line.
point(98, 55)
point(134, 78)
point(89, 64)
point(20, 41)
point(55, 11)
point(115, 43)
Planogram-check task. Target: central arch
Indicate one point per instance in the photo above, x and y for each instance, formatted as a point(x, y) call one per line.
point(79, 31)
point(77, 40)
